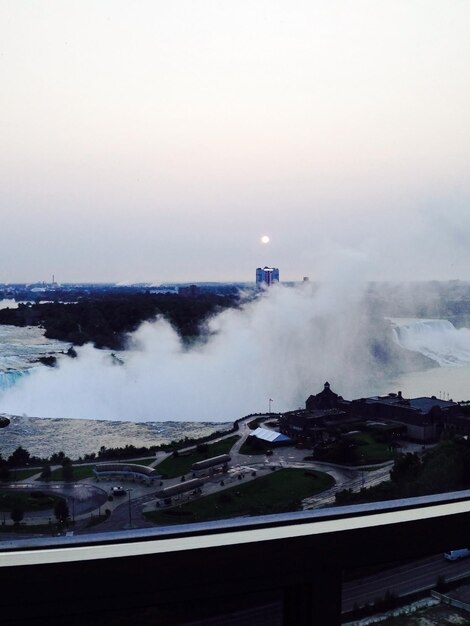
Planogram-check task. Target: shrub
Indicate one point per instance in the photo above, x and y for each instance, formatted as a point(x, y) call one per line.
point(17, 515)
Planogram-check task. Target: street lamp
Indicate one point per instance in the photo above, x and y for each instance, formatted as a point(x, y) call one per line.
point(129, 502)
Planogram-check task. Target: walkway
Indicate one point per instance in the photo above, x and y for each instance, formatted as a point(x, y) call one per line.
point(88, 498)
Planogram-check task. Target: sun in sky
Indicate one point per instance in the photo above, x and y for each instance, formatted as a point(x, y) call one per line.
point(265, 239)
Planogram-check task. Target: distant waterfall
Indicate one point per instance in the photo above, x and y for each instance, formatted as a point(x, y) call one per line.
point(439, 340)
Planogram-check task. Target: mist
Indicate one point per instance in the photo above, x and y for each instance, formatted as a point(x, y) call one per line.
point(283, 345)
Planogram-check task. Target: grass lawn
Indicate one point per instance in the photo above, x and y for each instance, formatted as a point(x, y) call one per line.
point(26, 501)
point(21, 474)
point(79, 472)
point(177, 466)
point(255, 423)
point(275, 493)
point(370, 451)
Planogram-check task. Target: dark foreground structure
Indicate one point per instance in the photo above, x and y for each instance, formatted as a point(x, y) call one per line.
point(282, 569)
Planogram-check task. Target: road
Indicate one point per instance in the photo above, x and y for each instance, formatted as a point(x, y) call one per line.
point(357, 479)
point(403, 580)
point(81, 497)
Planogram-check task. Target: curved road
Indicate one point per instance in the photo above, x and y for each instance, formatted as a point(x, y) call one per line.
point(81, 498)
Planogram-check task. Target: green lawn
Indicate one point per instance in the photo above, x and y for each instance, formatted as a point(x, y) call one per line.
point(370, 451)
point(26, 501)
point(21, 474)
point(79, 472)
point(179, 465)
point(359, 449)
point(275, 493)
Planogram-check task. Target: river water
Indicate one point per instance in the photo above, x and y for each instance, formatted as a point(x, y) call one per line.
point(20, 349)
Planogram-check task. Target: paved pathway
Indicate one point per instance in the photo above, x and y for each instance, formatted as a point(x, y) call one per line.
point(88, 498)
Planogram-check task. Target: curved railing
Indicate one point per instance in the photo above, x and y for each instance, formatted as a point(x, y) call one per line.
point(173, 575)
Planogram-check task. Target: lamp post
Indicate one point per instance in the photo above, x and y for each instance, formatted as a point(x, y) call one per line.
point(129, 502)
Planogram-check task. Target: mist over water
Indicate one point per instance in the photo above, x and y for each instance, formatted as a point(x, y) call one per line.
point(283, 345)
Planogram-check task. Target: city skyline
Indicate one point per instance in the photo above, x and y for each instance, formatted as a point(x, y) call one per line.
point(160, 143)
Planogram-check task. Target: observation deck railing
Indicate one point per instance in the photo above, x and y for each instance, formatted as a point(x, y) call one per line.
point(180, 574)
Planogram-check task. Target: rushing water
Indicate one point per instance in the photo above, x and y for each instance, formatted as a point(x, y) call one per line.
point(77, 437)
point(20, 349)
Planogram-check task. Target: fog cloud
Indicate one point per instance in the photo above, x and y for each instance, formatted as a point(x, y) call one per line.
point(283, 345)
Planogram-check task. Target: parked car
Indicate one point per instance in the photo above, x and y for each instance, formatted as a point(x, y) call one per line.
point(118, 491)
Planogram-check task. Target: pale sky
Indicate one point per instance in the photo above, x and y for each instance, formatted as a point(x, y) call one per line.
point(159, 140)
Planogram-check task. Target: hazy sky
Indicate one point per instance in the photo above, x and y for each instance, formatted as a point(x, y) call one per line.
point(159, 140)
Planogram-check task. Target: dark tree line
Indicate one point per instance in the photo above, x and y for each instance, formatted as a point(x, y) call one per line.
point(106, 321)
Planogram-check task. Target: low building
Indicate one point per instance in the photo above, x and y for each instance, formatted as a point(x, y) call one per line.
point(126, 471)
point(424, 418)
point(458, 425)
point(186, 486)
point(310, 427)
point(212, 465)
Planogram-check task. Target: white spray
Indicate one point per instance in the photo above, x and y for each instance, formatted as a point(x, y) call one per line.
point(284, 345)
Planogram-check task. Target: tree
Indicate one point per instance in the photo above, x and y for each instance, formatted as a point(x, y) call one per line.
point(406, 469)
point(61, 511)
point(19, 458)
point(4, 470)
point(46, 472)
point(58, 457)
point(67, 470)
point(17, 515)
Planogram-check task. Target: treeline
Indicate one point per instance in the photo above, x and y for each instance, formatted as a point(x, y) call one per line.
point(443, 469)
point(106, 321)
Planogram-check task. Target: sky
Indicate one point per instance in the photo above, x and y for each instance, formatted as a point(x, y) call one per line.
point(159, 141)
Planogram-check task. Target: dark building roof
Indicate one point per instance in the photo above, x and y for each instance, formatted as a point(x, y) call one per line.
point(222, 459)
point(327, 407)
point(128, 468)
point(326, 399)
point(426, 404)
point(174, 490)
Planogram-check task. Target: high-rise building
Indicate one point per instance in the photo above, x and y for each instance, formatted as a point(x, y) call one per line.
point(267, 275)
